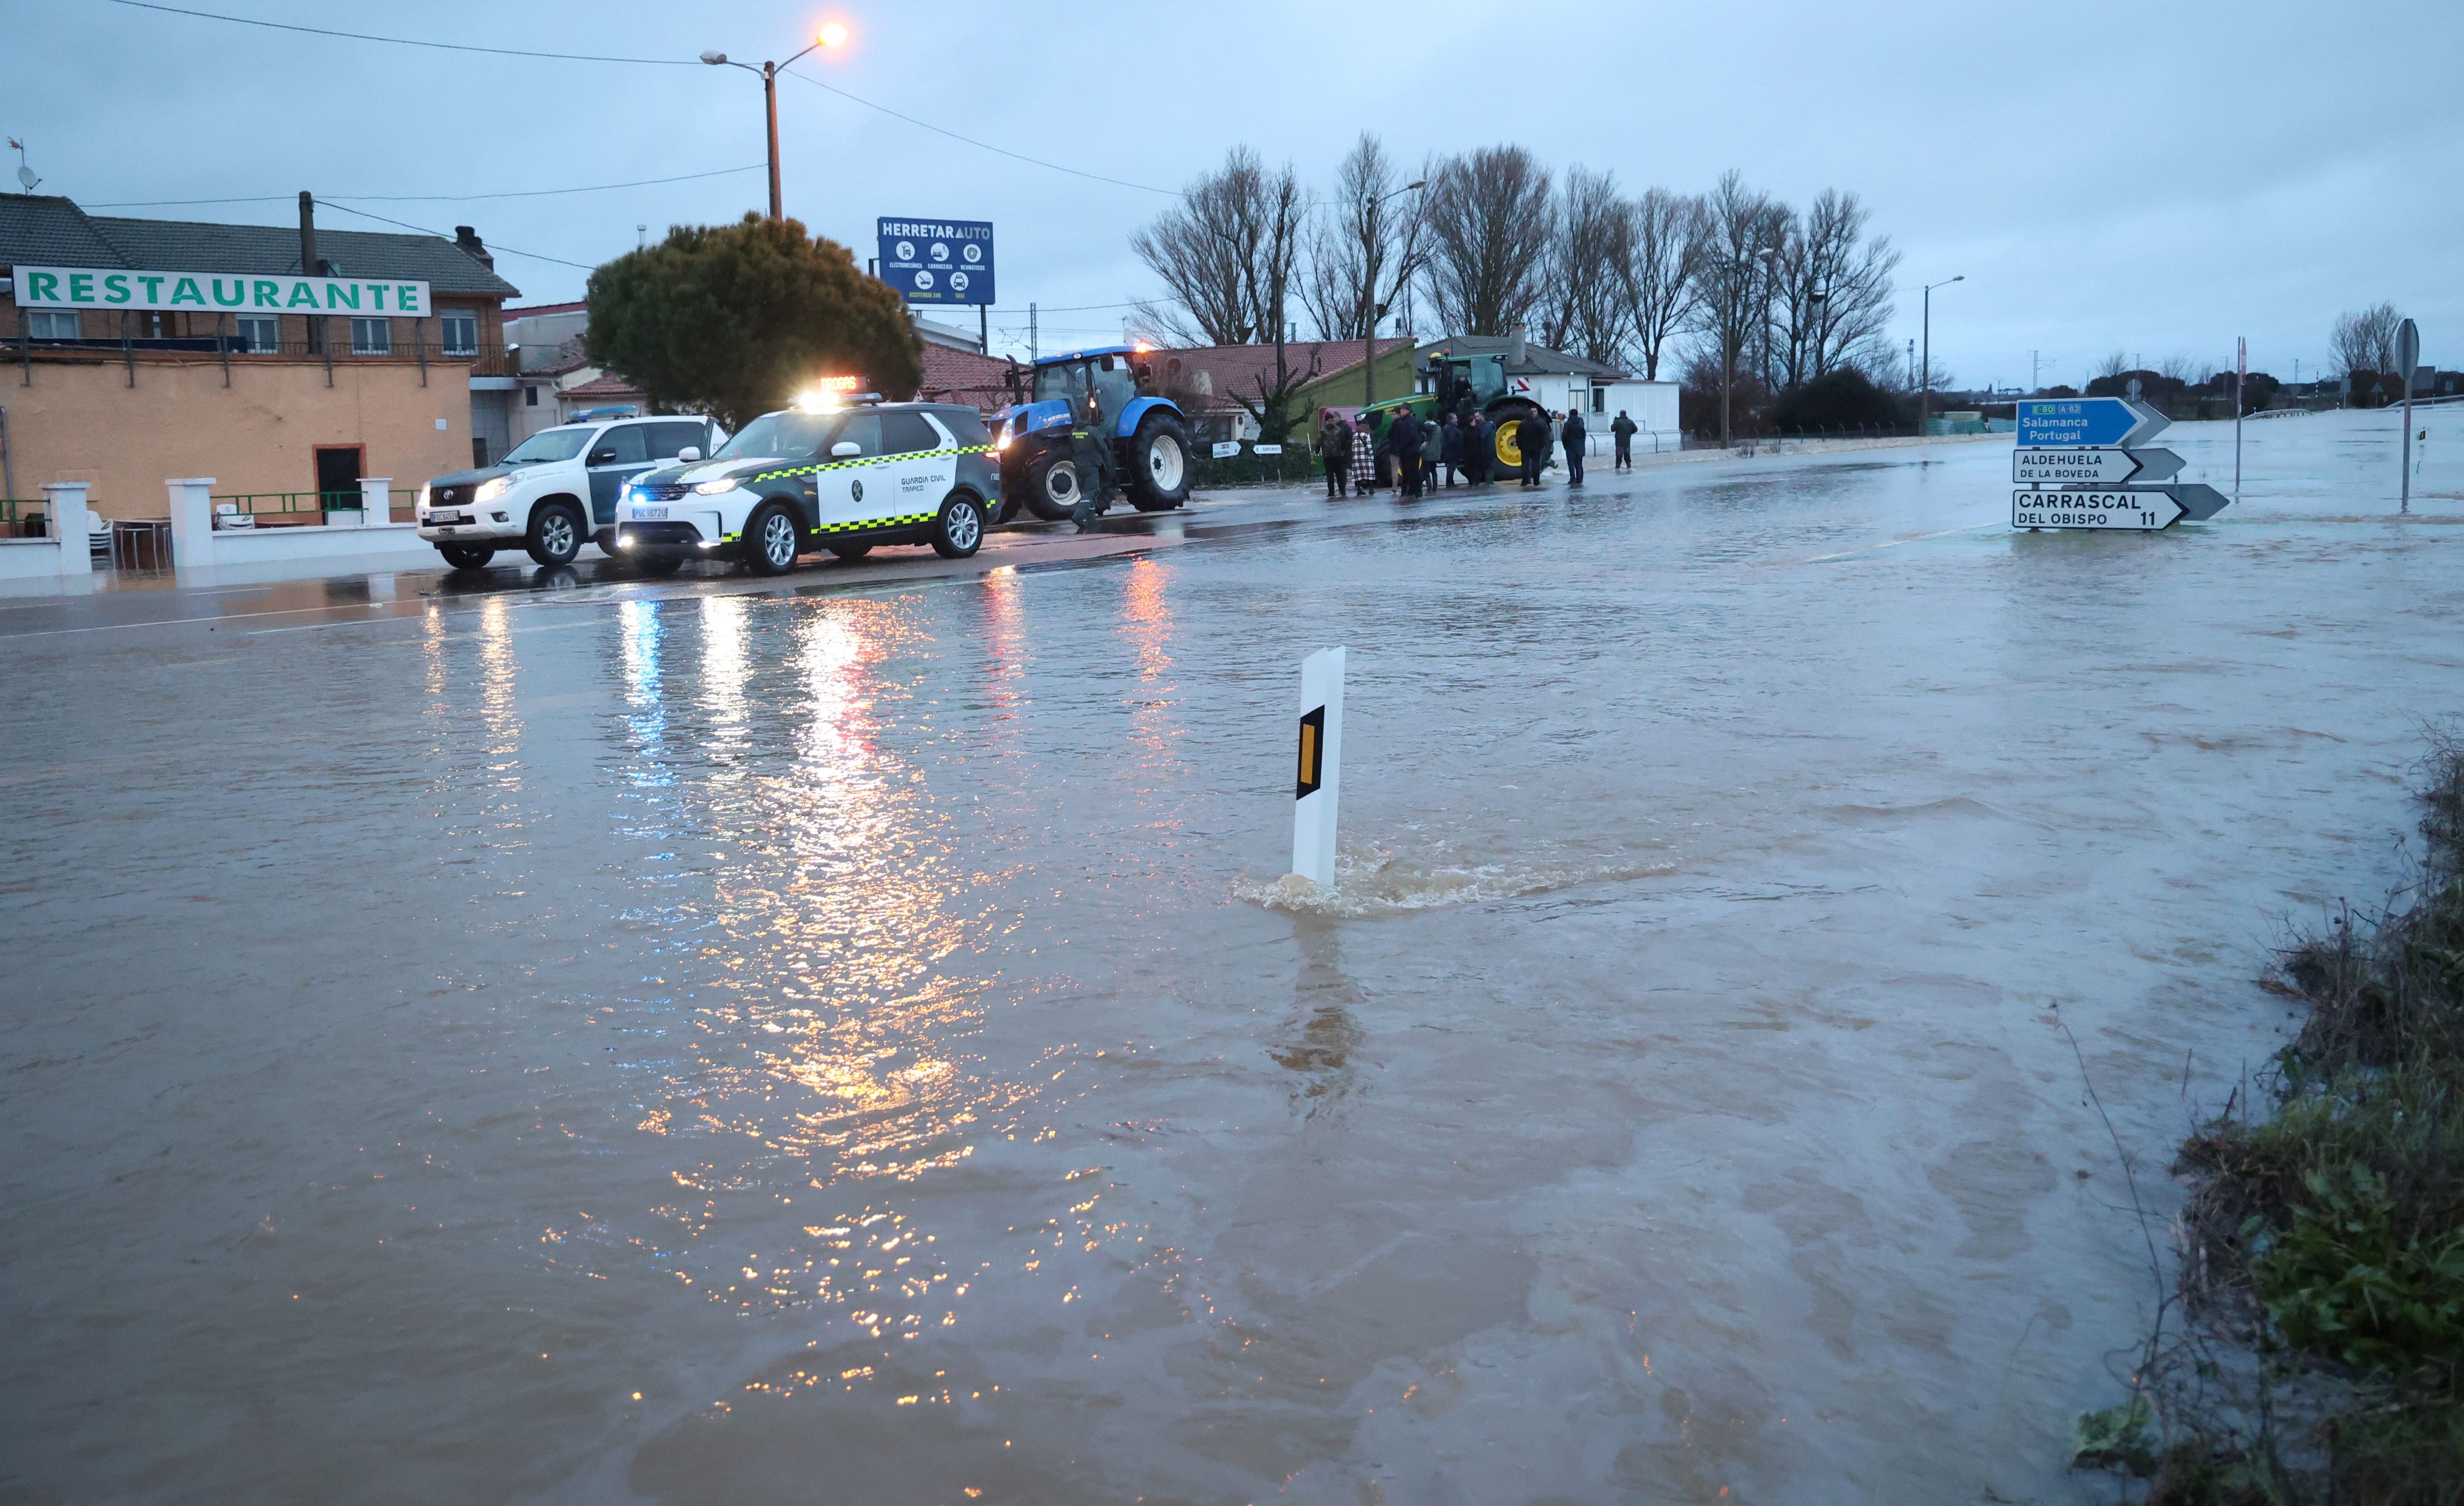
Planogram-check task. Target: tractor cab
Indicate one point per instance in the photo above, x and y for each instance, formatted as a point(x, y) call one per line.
point(1466, 385)
point(1113, 374)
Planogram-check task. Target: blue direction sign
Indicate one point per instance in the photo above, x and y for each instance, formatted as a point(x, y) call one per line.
point(2087, 422)
point(937, 261)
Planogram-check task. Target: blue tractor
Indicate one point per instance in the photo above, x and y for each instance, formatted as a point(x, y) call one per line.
point(1150, 437)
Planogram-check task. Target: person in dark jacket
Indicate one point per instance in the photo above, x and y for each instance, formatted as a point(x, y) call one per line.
point(1334, 448)
point(1575, 437)
point(1450, 448)
point(1622, 431)
point(1532, 437)
point(1404, 439)
point(1092, 459)
point(1430, 445)
point(1480, 449)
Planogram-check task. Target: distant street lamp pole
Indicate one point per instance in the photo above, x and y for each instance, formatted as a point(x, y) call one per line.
point(1729, 354)
point(1924, 374)
point(1370, 311)
point(830, 36)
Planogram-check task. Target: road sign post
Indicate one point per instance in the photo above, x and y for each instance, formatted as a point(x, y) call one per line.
point(2408, 355)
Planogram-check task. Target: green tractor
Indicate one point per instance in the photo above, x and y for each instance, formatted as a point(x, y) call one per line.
point(1463, 386)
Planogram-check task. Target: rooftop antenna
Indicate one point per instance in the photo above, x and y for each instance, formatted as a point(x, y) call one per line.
point(641, 237)
point(24, 174)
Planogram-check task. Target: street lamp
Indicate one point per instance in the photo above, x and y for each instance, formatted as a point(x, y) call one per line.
point(1728, 356)
point(1370, 310)
point(1924, 376)
point(831, 35)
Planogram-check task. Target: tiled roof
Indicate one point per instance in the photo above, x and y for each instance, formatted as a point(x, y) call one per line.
point(603, 387)
point(948, 370)
point(526, 310)
point(46, 230)
point(39, 230)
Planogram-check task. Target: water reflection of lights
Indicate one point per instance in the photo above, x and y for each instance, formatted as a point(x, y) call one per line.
point(496, 694)
point(724, 668)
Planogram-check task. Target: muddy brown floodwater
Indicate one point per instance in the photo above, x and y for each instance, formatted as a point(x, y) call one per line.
point(699, 1043)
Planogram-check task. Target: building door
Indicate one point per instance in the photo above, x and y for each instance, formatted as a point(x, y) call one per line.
point(337, 476)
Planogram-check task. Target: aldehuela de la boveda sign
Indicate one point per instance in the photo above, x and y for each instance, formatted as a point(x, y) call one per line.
point(231, 293)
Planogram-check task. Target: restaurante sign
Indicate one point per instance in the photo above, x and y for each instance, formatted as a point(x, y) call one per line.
point(104, 287)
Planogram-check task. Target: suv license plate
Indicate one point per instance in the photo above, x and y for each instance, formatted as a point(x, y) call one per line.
point(441, 518)
point(650, 514)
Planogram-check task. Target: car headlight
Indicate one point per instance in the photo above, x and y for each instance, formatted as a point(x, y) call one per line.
point(725, 483)
point(492, 489)
point(422, 495)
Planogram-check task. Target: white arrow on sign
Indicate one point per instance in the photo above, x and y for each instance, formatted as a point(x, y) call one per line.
point(2113, 509)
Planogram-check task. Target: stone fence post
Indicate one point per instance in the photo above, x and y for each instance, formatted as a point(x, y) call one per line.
point(192, 522)
point(70, 524)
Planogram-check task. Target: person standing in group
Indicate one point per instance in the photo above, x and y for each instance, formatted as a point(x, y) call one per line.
point(1429, 448)
point(1531, 437)
point(1364, 459)
point(1404, 442)
point(1480, 438)
point(1450, 448)
point(1334, 448)
point(1622, 431)
point(1576, 438)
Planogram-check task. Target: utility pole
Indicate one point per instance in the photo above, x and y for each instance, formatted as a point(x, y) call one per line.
point(770, 104)
point(1031, 351)
point(1924, 382)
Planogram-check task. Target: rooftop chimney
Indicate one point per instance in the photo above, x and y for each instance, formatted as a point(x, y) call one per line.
point(1515, 352)
point(468, 239)
point(307, 233)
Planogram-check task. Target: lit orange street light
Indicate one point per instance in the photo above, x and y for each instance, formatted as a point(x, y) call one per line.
point(831, 35)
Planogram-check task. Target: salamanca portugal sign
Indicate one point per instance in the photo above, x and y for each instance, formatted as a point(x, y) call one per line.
point(105, 287)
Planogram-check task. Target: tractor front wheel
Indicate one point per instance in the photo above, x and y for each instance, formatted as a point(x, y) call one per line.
point(1508, 447)
point(1158, 464)
point(1052, 488)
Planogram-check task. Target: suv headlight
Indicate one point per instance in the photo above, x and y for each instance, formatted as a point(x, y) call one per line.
point(492, 489)
point(423, 497)
point(724, 483)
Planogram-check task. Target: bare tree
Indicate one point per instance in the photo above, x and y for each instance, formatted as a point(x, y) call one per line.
point(2112, 365)
point(1663, 245)
point(2177, 368)
point(2365, 342)
point(1278, 224)
point(1580, 305)
point(1205, 253)
point(1835, 289)
point(1367, 248)
point(1732, 280)
point(1492, 218)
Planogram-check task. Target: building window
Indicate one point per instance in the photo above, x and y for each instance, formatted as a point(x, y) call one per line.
point(260, 334)
point(1599, 399)
point(529, 397)
point(53, 324)
point(460, 328)
point(372, 336)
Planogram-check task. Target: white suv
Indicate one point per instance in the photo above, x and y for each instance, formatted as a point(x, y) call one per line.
point(554, 490)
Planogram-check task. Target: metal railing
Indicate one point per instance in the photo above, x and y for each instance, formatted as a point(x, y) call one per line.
point(288, 505)
point(483, 360)
point(13, 516)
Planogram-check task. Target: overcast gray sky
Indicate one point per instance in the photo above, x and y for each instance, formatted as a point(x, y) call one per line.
point(2152, 178)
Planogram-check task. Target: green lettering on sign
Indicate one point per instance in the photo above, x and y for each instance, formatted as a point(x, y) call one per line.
point(303, 295)
point(269, 294)
point(43, 285)
point(81, 287)
point(238, 294)
point(185, 291)
point(405, 297)
point(115, 288)
point(339, 293)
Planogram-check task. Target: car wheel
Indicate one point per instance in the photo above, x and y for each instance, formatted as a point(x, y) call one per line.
point(959, 531)
point(555, 534)
point(772, 541)
point(1052, 489)
point(467, 556)
point(1158, 464)
point(659, 563)
point(849, 551)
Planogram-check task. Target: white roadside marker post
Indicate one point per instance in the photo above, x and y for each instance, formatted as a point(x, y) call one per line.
point(1321, 767)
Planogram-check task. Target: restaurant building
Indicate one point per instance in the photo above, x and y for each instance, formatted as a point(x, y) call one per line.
point(282, 362)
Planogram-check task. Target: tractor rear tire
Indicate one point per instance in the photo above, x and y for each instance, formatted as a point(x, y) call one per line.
point(1505, 448)
point(1158, 468)
point(1052, 489)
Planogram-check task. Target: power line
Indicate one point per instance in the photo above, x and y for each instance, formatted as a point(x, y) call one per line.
point(658, 62)
point(430, 198)
point(441, 235)
point(404, 41)
point(1094, 177)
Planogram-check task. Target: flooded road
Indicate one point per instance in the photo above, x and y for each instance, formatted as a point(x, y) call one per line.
point(707, 1042)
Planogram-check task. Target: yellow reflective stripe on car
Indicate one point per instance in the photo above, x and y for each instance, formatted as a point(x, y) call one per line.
point(865, 460)
point(863, 523)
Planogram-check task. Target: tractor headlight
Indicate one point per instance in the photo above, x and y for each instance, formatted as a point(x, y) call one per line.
point(490, 490)
point(724, 483)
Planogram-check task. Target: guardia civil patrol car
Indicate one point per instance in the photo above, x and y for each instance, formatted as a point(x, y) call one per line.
point(845, 474)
